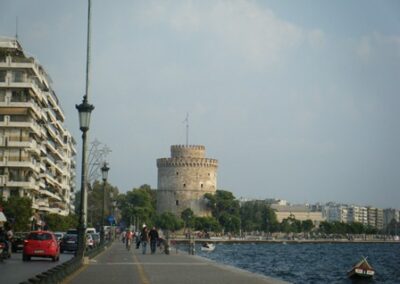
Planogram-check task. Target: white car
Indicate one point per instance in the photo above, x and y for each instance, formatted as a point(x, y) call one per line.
point(89, 241)
point(59, 235)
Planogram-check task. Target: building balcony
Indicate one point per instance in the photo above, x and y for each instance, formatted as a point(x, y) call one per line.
point(50, 195)
point(27, 84)
point(49, 210)
point(20, 164)
point(22, 124)
point(30, 144)
point(30, 105)
point(42, 202)
point(28, 184)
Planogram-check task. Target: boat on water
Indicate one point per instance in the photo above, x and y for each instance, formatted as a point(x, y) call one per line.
point(208, 247)
point(361, 270)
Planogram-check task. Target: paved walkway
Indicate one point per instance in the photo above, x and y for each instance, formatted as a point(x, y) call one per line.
point(117, 265)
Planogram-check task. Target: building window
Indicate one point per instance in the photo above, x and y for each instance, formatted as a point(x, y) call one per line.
point(208, 174)
point(18, 76)
point(201, 185)
point(177, 202)
point(19, 96)
point(177, 173)
point(2, 95)
point(184, 185)
point(3, 75)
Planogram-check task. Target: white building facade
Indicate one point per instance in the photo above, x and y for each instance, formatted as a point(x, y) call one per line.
point(36, 150)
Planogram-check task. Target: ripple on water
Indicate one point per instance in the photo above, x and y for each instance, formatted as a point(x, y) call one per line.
point(310, 263)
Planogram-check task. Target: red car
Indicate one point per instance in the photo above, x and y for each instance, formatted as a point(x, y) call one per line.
point(41, 244)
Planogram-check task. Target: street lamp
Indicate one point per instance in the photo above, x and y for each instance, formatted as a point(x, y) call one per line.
point(104, 174)
point(84, 109)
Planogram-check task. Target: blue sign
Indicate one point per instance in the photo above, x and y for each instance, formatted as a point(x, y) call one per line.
point(111, 219)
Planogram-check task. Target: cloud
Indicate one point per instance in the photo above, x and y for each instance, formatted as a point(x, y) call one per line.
point(377, 45)
point(239, 28)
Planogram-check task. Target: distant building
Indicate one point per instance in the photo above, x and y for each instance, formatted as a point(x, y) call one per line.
point(390, 214)
point(336, 212)
point(375, 217)
point(184, 178)
point(36, 150)
point(299, 212)
point(357, 214)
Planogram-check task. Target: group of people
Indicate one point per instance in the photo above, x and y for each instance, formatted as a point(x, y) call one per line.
point(143, 238)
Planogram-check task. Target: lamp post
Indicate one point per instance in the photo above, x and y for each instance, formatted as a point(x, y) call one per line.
point(104, 174)
point(84, 109)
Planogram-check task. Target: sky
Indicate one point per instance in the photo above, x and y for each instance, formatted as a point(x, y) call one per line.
point(298, 100)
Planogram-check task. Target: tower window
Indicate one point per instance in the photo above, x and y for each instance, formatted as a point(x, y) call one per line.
point(201, 185)
point(208, 174)
point(184, 185)
point(177, 173)
point(177, 202)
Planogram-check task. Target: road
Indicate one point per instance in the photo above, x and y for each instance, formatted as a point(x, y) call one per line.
point(14, 270)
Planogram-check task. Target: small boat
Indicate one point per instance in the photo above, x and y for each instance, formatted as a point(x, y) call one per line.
point(361, 270)
point(207, 247)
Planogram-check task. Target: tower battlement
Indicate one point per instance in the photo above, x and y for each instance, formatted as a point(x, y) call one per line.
point(192, 151)
point(187, 162)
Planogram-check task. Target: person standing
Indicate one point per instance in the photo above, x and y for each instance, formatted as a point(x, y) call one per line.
point(153, 235)
point(144, 238)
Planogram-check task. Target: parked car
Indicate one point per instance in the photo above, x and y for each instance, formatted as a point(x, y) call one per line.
point(89, 241)
point(41, 244)
point(96, 239)
point(69, 243)
point(59, 235)
point(17, 242)
point(91, 230)
point(72, 232)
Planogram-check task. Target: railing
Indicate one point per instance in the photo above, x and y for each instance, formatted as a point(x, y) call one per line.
point(22, 60)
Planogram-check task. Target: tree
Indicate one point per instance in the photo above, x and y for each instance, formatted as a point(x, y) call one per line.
point(95, 202)
point(168, 221)
point(57, 222)
point(139, 203)
point(187, 216)
point(207, 224)
point(257, 215)
point(225, 208)
point(18, 211)
point(307, 225)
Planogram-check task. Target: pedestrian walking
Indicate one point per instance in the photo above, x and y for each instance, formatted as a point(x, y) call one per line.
point(144, 238)
point(153, 236)
point(128, 239)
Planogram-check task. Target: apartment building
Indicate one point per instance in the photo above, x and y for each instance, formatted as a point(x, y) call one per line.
point(357, 214)
point(335, 212)
point(389, 215)
point(36, 150)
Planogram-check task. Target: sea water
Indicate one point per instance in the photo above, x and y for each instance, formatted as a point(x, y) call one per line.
point(311, 262)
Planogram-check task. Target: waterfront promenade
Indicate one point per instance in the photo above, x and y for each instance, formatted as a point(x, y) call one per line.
point(117, 265)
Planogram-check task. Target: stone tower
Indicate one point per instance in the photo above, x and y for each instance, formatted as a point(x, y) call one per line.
point(184, 178)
